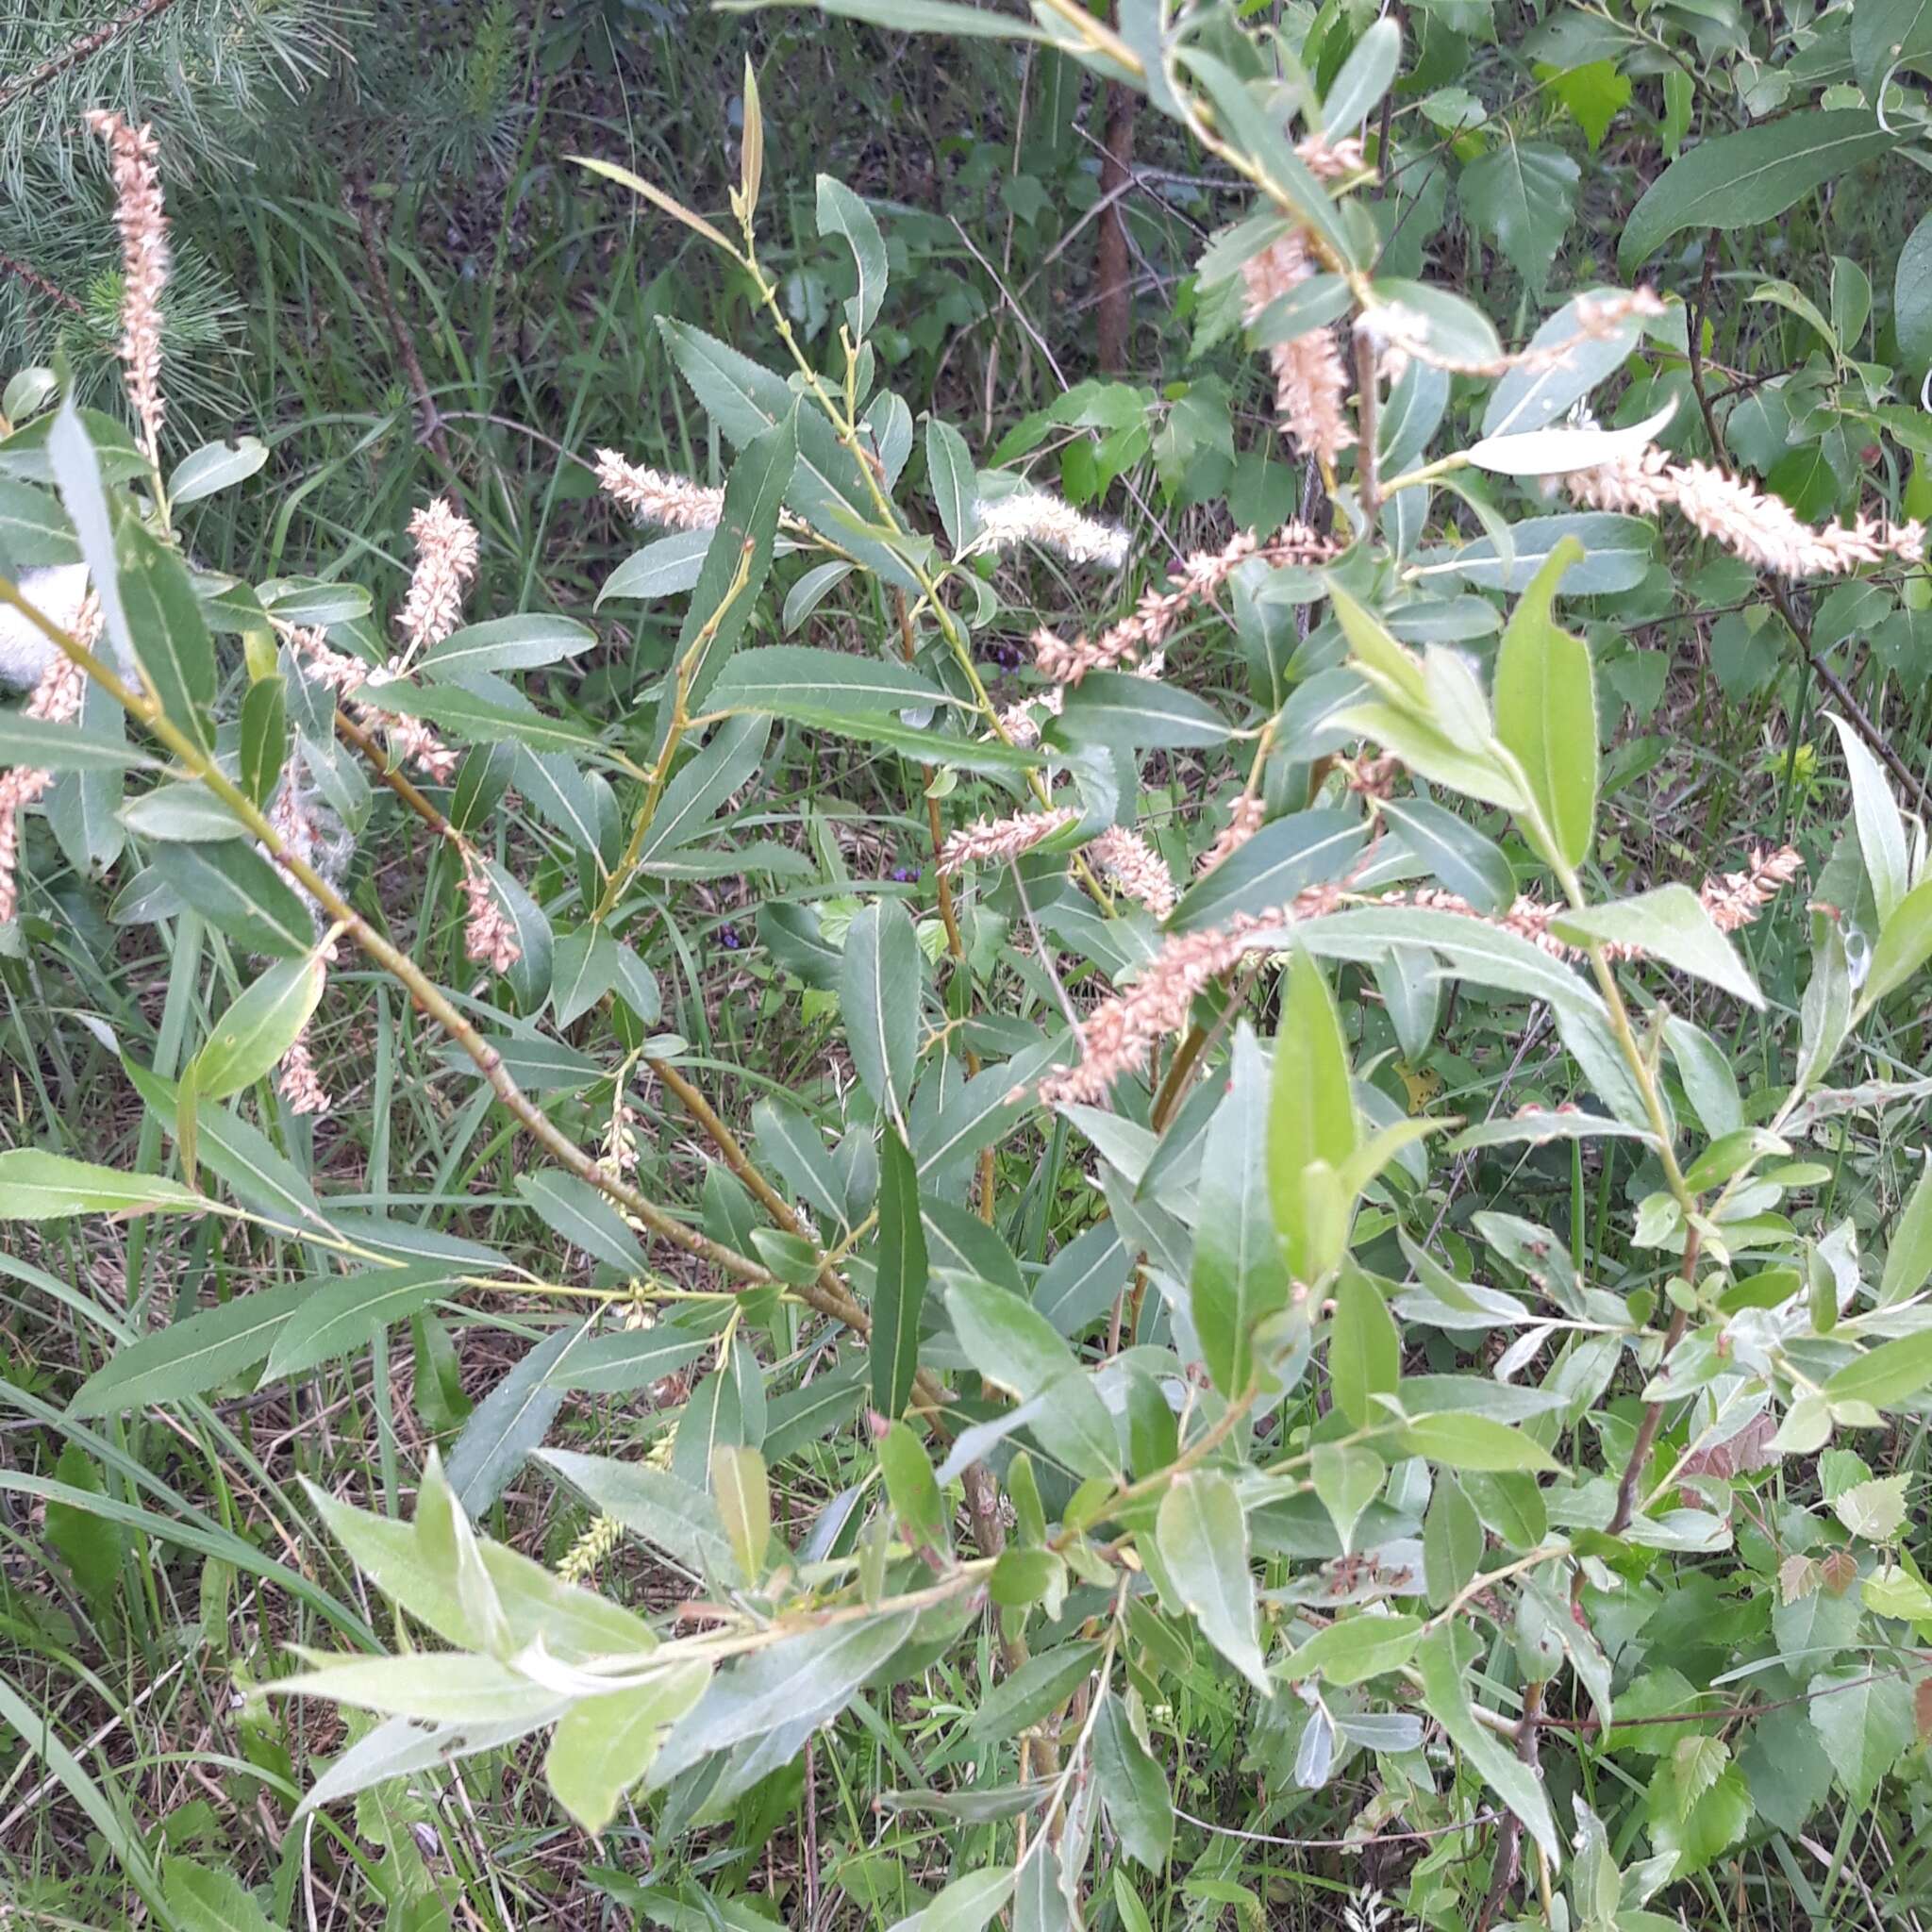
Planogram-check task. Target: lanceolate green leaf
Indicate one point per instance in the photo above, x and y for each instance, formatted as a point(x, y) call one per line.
point(900, 1291)
point(604, 1745)
point(235, 888)
point(1240, 1276)
point(1311, 1116)
point(1514, 1782)
point(841, 212)
point(170, 633)
point(338, 1316)
point(734, 570)
point(1671, 924)
point(259, 1028)
point(1547, 710)
point(1738, 180)
point(879, 990)
point(1887, 1374)
point(776, 678)
point(744, 401)
point(48, 1187)
point(1202, 1538)
point(1364, 1350)
point(191, 1356)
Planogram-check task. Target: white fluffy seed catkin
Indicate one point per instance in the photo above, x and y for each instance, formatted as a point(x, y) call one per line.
point(1031, 516)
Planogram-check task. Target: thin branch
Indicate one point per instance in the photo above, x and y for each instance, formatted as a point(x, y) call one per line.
point(84, 49)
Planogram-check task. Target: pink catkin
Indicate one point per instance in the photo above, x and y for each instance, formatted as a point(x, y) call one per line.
point(298, 1081)
point(673, 503)
point(489, 938)
point(1745, 520)
point(55, 700)
point(137, 214)
point(993, 841)
point(1119, 1036)
point(1135, 867)
point(447, 553)
point(1136, 637)
point(1310, 379)
point(1244, 820)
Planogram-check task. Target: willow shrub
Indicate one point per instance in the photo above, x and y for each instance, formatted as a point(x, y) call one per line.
point(1407, 1507)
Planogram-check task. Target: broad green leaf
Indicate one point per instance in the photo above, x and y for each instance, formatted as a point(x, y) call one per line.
point(1038, 1687)
point(584, 966)
point(921, 743)
point(951, 479)
point(584, 1217)
point(734, 571)
point(1887, 34)
point(1672, 925)
point(1616, 555)
point(969, 1904)
point(1872, 1510)
point(775, 677)
point(1904, 943)
point(204, 1898)
point(1013, 1345)
point(1743, 179)
point(340, 1316)
point(170, 634)
point(1303, 848)
point(1865, 1723)
point(190, 1355)
point(1547, 710)
point(235, 888)
point(841, 212)
point(826, 488)
point(1365, 77)
point(1133, 1787)
point(35, 534)
point(899, 1287)
point(1239, 1276)
point(439, 1688)
point(604, 1745)
point(1886, 1376)
point(742, 1495)
point(1471, 866)
point(258, 1028)
point(662, 569)
point(35, 1186)
point(880, 986)
point(1348, 1478)
point(631, 1358)
point(1908, 1255)
point(780, 1695)
point(1912, 289)
point(507, 644)
point(912, 1488)
point(730, 757)
point(1881, 831)
point(1543, 387)
point(1523, 195)
point(510, 1422)
point(49, 747)
point(1364, 1349)
point(216, 466)
point(1311, 1115)
point(1446, 1699)
point(1354, 1648)
point(1202, 1536)
point(678, 1520)
point(1452, 1541)
point(1466, 1440)
point(1116, 707)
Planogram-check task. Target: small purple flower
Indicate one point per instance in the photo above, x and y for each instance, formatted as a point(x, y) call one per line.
point(905, 875)
point(1002, 652)
point(730, 938)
